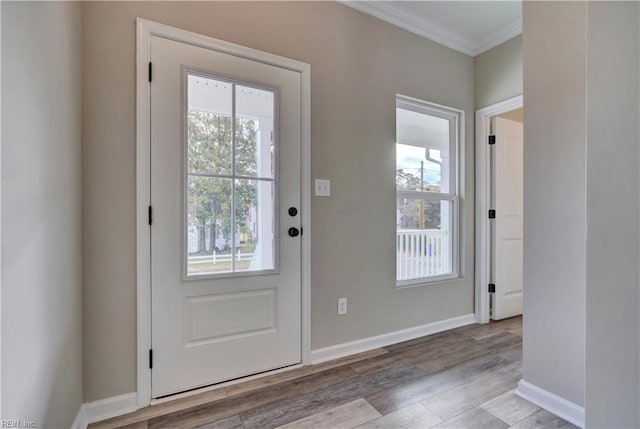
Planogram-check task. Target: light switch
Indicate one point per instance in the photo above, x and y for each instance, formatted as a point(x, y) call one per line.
point(323, 188)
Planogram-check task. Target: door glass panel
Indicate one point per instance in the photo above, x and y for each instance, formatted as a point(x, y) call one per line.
point(255, 224)
point(254, 132)
point(209, 125)
point(230, 138)
point(208, 225)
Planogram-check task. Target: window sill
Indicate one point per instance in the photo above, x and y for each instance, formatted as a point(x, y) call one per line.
point(427, 281)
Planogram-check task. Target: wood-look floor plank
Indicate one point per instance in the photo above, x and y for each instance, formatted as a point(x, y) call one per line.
point(543, 420)
point(433, 352)
point(389, 400)
point(270, 380)
point(437, 343)
point(161, 409)
point(231, 423)
point(469, 395)
point(344, 416)
point(411, 417)
point(137, 425)
point(509, 407)
point(516, 330)
point(417, 341)
point(480, 332)
point(210, 413)
point(286, 411)
point(377, 363)
point(475, 418)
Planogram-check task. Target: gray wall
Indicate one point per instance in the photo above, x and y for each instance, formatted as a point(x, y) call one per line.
point(358, 66)
point(41, 275)
point(498, 73)
point(612, 350)
point(582, 200)
point(555, 197)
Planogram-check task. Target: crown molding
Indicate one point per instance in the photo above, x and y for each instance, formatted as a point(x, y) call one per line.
point(388, 13)
point(385, 11)
point(507, 33)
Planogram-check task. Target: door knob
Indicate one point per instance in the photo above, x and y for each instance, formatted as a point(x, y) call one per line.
point(293, 232)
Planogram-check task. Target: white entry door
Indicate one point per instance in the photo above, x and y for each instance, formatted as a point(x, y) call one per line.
point(508, 226)
point(225, 196)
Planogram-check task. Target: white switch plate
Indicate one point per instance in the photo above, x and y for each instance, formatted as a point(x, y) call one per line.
point(342, 306)
point(323, 188)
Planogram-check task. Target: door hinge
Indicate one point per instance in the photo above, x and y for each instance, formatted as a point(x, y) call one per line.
point(150, 215)
point(150, 358)
point(492, 214)
point(492, 139)
point(492, 288)
point(150, 71)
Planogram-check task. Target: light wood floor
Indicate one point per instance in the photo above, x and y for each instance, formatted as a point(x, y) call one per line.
point(464, 378)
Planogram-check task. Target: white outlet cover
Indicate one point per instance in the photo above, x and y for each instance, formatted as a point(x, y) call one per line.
point(323, 188)
point(342, 306)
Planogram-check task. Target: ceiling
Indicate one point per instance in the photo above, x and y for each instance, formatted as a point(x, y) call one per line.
point(470, 27)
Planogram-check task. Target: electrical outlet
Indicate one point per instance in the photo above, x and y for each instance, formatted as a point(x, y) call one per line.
point(323, 188)
point(342, 306)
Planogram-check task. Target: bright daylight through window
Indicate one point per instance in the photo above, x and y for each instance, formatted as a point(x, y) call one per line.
point(230, 179)
point(427, 139)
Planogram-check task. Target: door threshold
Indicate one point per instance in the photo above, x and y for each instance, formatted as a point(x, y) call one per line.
point(222, 384)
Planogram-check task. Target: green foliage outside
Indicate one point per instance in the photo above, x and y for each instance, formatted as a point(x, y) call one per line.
point(209, 198)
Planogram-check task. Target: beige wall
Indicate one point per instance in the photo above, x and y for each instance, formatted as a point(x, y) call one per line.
point(41, 266)
point(581, 85)
point(514, 115)
point(358, 66)
point(498, 73)
point(612, 385)
point(555, 220)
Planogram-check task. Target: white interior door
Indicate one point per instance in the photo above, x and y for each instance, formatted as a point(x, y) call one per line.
point(225, 171)
point(508, 226)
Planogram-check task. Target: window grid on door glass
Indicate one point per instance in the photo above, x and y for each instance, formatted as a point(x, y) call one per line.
point(230, 166)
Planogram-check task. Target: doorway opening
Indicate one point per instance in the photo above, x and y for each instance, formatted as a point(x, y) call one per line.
point(499, 214)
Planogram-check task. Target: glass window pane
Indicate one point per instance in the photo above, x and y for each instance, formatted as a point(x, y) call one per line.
point(418, 169)
point(254, 132)
point(208, 225)
point(424, 238)
point(209, 125)
point(422, 152)
point(255, 225)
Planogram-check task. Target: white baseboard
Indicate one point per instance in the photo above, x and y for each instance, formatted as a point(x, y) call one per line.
point(366, 344)
point(105, 409)
point(567, 410)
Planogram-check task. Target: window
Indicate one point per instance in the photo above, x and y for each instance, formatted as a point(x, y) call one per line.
point(427, 233)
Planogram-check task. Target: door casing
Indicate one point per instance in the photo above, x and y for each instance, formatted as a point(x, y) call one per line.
point(144, 30)
point(483, 195)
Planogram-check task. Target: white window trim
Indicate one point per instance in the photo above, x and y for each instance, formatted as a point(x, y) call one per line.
point(455, 191)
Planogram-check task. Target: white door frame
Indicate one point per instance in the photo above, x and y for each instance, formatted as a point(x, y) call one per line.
point(144, 30)
point(483, 195)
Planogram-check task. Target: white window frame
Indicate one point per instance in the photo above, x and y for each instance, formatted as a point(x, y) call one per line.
point(456, 119)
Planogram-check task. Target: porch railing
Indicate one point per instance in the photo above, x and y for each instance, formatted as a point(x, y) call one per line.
point(422, 253)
